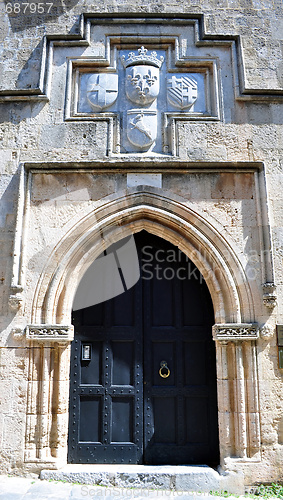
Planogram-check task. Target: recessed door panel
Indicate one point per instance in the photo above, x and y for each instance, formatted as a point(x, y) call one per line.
point(161, 292)
point(194, 363)
point(123, 303)
point(91, 369)
point(164, 411)
point(93, 316)
point(163, 365)
point(197, 411)
point(90, 419)
point(122, 420)
point(123, 363)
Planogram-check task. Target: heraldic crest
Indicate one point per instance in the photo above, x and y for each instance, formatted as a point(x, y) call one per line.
point(135, 91)
point(142, 89)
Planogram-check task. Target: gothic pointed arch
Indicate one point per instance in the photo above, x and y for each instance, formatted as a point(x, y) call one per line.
point(202, 240)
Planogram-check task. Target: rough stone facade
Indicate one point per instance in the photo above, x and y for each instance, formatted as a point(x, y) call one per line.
point(210, 182)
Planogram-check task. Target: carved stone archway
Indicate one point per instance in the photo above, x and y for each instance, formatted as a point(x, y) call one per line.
point(235, 332)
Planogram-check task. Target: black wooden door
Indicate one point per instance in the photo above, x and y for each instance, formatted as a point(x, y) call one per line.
point(106, 398)
point(148, 393)
point(180, 417)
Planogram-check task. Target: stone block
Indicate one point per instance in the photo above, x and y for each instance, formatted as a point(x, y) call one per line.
point(198, 479)
point(13, 433)
point(181, 478)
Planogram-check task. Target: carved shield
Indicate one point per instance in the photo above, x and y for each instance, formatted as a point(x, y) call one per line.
point(142, 84)
point(141, 128)
point(182, 91)
point(102, 90)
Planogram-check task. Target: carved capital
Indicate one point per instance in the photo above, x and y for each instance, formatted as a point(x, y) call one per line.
point(50, 333)
point(15, 302)
point(235, 331)
point(15, 298)
point(267, 331)
point(18, 332)
point(269, 295)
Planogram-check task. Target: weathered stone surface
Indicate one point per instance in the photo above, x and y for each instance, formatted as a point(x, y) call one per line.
point(181, 478)
point(69, 188)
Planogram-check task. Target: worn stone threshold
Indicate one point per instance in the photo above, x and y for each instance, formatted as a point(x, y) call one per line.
point(199, 478)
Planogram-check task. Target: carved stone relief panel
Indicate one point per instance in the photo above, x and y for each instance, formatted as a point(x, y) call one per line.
point(182, 91)
point(235, 332)
point(101, 90)
point(50, 333)
point(143, 92)
point(142, 86)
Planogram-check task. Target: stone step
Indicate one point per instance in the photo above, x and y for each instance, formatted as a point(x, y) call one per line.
point(199, 478)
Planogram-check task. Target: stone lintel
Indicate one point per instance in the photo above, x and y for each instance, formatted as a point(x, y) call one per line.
point(235, 331)
point(50, 333)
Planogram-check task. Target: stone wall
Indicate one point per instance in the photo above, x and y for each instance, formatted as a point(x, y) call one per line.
point(221, 169)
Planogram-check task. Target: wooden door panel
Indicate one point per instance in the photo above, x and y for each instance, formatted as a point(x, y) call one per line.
point(165, 420)
point(196, 411)
point(160, 292)
point(91, 370)
point(106, 424)
point(194, 360)
point(163, 351)
point(195, 302)
point(90, 419)
point(90, 316)
point(123, 354)
point(122, 430)
point(123, 311)
point(178, 317)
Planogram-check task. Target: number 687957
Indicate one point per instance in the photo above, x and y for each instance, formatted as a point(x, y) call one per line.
point(28, 8)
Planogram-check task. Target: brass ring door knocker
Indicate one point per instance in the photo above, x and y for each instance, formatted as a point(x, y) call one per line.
point(164, 371)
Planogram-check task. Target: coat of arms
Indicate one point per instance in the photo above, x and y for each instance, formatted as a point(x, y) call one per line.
point(142, 84)
point(142, 95)
point(142, 88)
point(141, 128)
point(182, 91)
point(102, 90)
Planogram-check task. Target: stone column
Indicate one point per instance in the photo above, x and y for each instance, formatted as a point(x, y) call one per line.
point(237, 389)
point(225, 400)
point(48, 391)
point(60, 402)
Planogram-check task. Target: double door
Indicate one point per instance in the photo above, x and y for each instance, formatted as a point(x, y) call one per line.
point(143, 381)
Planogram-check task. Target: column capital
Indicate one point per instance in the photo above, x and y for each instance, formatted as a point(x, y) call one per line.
point(235, 331)
point(50, 333)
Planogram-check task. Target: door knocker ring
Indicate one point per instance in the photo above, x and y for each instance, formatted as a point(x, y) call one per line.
point(164, 371)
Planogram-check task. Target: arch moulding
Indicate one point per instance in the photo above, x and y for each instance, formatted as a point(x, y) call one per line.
point(232, 295)
point(189, 230)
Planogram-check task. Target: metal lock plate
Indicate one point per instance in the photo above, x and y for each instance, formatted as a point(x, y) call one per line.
point(86, 352)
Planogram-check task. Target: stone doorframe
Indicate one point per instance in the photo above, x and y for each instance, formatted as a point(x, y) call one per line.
point(235, 332)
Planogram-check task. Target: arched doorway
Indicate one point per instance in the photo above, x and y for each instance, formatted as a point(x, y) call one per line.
point(147, 393)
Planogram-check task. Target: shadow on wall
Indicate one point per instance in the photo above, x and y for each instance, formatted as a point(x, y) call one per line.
point(8, 205)
point(23, 15)
point(14, 114)
point(29, 76)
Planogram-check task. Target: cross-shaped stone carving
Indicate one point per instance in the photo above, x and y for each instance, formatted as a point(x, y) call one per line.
point(102, 90)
